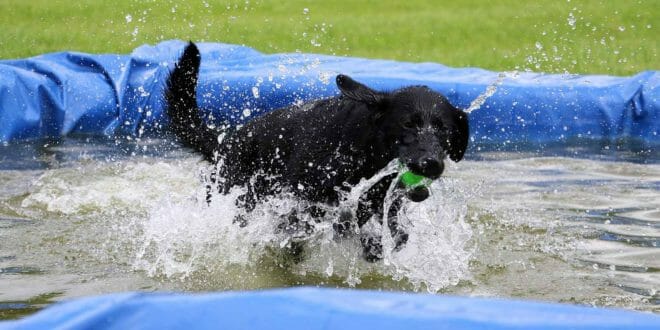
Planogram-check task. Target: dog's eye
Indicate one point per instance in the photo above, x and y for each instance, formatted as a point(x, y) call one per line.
point(408, 124)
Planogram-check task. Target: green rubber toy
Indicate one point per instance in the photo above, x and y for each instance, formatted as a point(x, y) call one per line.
point(409, 179)
point(412, 180)
point(417, 186)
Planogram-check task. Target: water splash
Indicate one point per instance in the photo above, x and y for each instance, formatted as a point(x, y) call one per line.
point(181, 238)
point(100, 223)
point(490, 90)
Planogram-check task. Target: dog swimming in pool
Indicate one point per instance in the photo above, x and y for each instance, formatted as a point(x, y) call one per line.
point(323, 147)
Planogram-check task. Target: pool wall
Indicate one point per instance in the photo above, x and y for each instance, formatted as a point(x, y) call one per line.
point(314, 308)
point(57, 94)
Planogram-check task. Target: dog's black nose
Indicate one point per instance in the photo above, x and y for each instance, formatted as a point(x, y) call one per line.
point(428, 167)
point(432, 168)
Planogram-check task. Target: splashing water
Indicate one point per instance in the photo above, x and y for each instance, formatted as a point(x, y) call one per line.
point(490, 90)
point(437, 253)
point(94, 221)
point(182, 237)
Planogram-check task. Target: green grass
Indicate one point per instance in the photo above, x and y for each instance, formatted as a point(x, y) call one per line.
point(617, 37)
point(10, 310)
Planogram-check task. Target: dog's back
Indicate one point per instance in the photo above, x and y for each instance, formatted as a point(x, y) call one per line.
point(314, 147)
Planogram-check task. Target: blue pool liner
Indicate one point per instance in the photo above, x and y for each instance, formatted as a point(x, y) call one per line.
point(57, 94)
point(313, 308)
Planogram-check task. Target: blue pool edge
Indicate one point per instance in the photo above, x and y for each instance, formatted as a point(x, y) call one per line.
point(323, 308)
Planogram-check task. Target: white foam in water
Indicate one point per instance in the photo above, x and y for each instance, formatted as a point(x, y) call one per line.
point(90, 188)
point(438, 251)
point(143, 224)
point(153, 216)
point(182, 237)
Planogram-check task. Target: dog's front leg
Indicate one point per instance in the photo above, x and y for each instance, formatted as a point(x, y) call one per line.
point(299, 226)
point(399, 235)
point(372, 243)
point(370, 205)
point(246, 202)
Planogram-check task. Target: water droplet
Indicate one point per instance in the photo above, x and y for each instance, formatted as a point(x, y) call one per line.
point(571, 20)
point(324, 77)
point(129, 18)
point(247, 112)
point(622, 28)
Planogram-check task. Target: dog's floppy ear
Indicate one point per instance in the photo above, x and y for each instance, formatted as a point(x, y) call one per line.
point(357, 91)
point(459, 135)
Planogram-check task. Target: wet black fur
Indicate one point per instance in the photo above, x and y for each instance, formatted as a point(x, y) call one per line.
point(322, 144)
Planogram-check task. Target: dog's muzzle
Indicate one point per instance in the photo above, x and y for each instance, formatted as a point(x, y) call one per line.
point(428, 167)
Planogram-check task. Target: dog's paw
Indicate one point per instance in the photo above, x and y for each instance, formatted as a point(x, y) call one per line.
point(295, 251)
point(240, 220)
point(344, 226)
point(342, 229)
point(372, 248)
point(400, 240)
point(294, 227)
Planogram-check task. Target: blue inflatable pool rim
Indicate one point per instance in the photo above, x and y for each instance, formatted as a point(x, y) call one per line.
point(58, 94)
point(314, 308)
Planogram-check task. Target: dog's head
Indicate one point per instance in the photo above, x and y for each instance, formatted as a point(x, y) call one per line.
point(415, 124)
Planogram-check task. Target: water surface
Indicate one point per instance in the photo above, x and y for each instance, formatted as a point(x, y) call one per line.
point(85, 217)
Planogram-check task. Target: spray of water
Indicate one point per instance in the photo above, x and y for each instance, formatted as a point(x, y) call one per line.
point(490, 90)
point(184, 238)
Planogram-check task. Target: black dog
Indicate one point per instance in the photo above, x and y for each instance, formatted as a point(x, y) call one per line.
point(312, 150)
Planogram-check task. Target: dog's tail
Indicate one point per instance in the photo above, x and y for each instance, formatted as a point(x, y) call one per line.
point(181, 97)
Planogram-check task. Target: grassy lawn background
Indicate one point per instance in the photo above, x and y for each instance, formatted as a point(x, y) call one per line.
point(618, 37)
